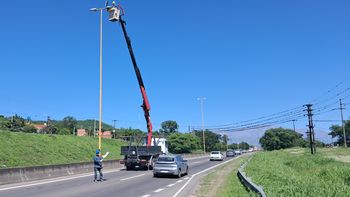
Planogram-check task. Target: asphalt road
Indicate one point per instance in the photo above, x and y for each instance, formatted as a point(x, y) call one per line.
point(119, 183)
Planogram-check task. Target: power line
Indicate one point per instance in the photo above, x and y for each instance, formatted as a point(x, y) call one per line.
point(261, 119)
point(334, 96)
point(330, 90)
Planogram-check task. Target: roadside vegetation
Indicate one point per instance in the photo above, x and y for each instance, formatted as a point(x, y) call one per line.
point(224, 182)
point(179, 142)
point(28, 149)
point(295, 172)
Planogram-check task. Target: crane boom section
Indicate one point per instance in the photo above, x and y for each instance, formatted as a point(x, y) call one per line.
point(145, 105)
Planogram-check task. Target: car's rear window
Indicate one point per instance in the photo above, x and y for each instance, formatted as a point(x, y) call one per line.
point(215, 152)
point(166, 159)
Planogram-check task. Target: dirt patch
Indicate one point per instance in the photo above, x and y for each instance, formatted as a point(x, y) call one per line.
point(345, 159)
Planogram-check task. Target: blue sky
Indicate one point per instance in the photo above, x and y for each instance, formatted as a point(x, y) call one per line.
point(248, 58)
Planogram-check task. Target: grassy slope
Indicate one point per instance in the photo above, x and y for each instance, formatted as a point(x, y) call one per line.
point(295, 172)
point(224, 182)
point(21, 149)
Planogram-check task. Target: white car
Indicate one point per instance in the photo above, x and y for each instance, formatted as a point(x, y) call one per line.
point(216, 155)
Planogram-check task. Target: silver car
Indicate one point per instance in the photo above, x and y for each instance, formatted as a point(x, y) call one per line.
point(170, 165)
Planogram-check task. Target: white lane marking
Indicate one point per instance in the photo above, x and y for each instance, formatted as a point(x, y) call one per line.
point(146, 196)
point(170, 185)
point(186, 178)
point(196, 162)
point(179, 181)
point(132, 177)
point(189, 180)
point(159, 190)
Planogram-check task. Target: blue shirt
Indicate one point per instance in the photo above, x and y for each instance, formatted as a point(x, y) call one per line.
point(97, 162)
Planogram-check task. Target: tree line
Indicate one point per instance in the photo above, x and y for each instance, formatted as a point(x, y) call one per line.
point(281, 138)
point(178, 142)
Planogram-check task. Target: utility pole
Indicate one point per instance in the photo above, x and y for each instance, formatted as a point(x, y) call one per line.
point(114, 123)
point(342, 121)
point(294, 125)
point(114, 127)
point(311, 129)
point(201, 100)
point(48, 121)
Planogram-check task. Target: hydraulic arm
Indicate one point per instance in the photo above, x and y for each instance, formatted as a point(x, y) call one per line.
point(116, 15)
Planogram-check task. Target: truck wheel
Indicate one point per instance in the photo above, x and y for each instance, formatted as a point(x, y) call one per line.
point(155, 175)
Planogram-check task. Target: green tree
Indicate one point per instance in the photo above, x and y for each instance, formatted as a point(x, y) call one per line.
point(29, 129)
point(5, 123)
point(182, 143)
point(64, 131)
point(233, 146)
point(337, 132)
point(15, 123)
point(212, 140)
point(70, 123)
point(51, 129)
point(244, 145)
point(280, 138)
point(169, 127)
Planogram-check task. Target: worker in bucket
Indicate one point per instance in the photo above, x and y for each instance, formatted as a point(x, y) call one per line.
point(98, 165)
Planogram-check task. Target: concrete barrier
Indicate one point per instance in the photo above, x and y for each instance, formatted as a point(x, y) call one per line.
point(17, 175)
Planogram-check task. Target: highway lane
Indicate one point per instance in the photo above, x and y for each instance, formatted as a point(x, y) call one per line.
point(119, 183)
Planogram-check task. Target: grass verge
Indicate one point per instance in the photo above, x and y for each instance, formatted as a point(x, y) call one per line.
point(224, 182)
point(23, 149)
point(295, 172)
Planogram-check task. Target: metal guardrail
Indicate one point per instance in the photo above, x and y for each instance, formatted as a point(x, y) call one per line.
point(247, 182)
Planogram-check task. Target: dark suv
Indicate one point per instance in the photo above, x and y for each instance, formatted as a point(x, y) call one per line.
point(230, 153)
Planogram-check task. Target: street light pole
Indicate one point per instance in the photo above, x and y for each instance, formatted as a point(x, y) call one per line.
point(201, 100)
point(100, 104)
point(114, 127)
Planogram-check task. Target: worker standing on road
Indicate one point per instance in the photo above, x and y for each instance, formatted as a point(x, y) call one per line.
point(98, 165)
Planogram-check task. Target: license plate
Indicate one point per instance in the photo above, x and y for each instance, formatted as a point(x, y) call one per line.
point(163, 171)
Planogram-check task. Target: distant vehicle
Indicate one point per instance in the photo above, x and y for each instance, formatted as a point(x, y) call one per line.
point(170, 165)
point(244, 151)
point(238, 152)
point(250, 150)
point(216, 155)
point(230, 153)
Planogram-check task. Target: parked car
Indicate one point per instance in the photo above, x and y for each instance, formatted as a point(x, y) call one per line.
point(238, 152)
point(230, 153)
point(216, 155)
point(170, 165)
